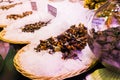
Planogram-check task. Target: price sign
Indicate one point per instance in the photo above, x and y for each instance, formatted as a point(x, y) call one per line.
point(34, 6)
point(52, 10)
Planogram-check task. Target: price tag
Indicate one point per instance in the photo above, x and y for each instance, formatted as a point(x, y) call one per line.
point(98, 21)
point(52, 10)
point(98, 24)
point(34, 6)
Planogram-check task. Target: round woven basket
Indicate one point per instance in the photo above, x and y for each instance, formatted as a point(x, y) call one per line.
point(2, 33)
point(2, 26)
point(90, 62)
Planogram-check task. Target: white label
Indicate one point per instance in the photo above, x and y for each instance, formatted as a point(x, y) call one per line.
point(52, 10)
point(98, 21)
point(34, 6)
point(98, 24)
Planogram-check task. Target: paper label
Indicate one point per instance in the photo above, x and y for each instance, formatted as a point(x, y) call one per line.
point(98, 21)
point(34, 6)
point(52, 10)
point(98, 24)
